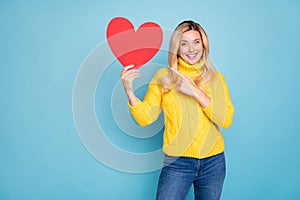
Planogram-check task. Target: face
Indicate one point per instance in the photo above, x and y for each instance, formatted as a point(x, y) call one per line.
point(190, 47)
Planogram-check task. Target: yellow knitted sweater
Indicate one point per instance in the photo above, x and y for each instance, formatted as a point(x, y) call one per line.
point(190, 129)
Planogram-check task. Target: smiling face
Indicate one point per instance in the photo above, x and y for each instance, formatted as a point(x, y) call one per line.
point(190, 47)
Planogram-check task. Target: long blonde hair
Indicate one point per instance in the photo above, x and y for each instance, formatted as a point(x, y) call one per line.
point(207, 70)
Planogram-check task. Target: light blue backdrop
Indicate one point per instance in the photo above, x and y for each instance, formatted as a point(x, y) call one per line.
point(42, 45)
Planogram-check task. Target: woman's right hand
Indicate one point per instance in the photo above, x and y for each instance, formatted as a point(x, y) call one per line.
point(128, 75)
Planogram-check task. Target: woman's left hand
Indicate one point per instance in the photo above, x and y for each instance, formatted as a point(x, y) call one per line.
point(187, 86)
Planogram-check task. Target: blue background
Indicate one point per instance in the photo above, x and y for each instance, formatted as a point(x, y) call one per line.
point(43, 43)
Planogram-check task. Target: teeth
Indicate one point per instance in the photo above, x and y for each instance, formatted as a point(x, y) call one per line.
point(191, 56)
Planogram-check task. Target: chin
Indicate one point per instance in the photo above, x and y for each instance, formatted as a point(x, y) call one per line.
point(192, 62)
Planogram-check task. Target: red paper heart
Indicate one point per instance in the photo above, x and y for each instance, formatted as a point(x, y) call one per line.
point(132, 47)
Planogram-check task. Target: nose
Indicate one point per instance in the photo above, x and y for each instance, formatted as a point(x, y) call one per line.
point(191, 48)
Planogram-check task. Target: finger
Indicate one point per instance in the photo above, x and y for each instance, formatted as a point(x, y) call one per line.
point(178, 73)
point(179, 88)
point(126, 68)
point(132, 76)
point(132, 73)
point(190, 80)
point(124, 73)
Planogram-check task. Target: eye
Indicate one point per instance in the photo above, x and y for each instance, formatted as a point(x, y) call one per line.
point(197, 42)
point(183, 44)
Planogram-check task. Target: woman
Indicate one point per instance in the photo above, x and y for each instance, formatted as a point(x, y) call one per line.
point(196, 104)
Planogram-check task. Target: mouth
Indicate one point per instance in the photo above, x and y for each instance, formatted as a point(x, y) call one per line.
point(191, 56)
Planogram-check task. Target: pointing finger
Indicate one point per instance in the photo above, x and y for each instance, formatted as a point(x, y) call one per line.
point(178, 73)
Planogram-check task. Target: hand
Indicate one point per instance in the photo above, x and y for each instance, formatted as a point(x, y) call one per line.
point(187, 86)
point(128, 75)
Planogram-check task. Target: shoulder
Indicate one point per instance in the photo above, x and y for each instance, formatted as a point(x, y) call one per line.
point(161, 72)
point(217, 78)
point(218, 73)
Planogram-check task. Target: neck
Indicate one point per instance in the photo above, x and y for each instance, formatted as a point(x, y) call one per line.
point(193, 71)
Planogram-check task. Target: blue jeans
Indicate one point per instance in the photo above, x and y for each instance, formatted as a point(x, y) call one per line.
point(179, 173)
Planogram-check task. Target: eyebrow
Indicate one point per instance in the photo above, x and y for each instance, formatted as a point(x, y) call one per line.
point(193, 40)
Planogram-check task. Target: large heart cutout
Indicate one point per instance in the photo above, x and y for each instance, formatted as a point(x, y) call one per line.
point(130, 46)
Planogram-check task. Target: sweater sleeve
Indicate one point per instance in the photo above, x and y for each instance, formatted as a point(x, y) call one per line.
point(148, 110)
point(221, 110)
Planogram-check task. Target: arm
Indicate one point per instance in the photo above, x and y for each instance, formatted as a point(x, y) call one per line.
point(147, 111)
point(127, 77)
point(214, 100)
point(187, 86)
point(220, 109)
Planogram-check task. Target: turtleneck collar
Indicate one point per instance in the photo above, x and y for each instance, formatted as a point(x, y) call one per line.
point(193, 71)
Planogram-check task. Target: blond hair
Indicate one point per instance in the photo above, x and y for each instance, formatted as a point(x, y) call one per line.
point(207, 70)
